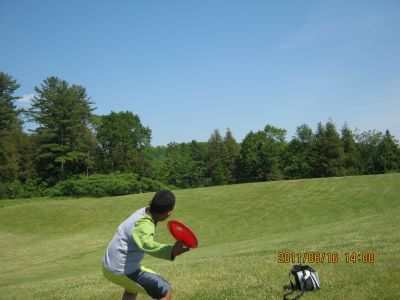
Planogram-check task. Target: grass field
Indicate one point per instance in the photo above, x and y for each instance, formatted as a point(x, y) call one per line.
point(52, 248)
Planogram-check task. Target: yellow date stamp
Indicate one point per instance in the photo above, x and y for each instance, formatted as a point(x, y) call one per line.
point(320, 257)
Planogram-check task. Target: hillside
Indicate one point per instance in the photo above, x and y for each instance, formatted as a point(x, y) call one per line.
point(52, 248)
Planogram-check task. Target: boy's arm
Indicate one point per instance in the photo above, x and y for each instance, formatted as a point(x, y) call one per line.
point(143, 235)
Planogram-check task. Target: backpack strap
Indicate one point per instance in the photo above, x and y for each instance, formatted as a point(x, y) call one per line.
point(293, 288)
point(285, 296)
point(295, 298)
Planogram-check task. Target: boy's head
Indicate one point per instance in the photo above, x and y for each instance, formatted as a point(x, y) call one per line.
point(162, 203)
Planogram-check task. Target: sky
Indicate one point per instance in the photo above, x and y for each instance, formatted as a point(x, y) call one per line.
point(188, 67)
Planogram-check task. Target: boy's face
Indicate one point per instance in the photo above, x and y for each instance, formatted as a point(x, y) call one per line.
point(166, 215)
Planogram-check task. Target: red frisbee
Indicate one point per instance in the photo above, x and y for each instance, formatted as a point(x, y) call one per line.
point(182, 232)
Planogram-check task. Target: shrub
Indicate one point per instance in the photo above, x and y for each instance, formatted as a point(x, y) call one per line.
point(12, 190)
point(105, 185)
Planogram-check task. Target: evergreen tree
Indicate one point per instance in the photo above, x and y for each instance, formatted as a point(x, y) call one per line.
point(296, 155)
point(248, 164)
point(63, 113)
point(351, 154)
point(326, 155)
point(10, 126)
point(368, 147)
point(199, 155)
point(277, 147)
point(8, 111)
point(232, 156)
point(389, 154)
point(217, 155)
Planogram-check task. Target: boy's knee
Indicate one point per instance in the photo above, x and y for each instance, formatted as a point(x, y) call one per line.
point(168, 295)
point(128, 296)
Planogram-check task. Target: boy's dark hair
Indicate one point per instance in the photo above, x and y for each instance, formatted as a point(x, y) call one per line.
point(163, 201)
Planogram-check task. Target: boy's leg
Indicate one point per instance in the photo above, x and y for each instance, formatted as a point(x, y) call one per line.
point(131, 288)
point(154, 285)
point(168, 296)
point(128, 296)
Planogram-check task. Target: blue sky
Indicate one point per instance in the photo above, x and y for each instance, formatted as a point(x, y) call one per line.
point(188, 67)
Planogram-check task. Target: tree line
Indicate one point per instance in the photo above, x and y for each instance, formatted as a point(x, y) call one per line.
point(71, 146)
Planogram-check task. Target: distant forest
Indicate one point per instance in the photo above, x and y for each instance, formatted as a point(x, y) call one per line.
point(76, 153)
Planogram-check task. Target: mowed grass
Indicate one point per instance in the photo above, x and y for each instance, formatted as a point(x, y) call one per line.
point(53, 248)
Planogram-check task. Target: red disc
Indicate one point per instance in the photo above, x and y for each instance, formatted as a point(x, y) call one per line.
point(182, 232)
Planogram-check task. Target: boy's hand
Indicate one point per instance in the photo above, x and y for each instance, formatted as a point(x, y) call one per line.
point(179, 248)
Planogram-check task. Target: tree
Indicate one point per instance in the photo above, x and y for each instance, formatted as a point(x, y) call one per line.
point(367, 144)
point(199, 155)
point(275, 134)
point(124, 142)
point(389, 154)
point(158, 156)
point(261, 155)
point(326, 155)
point(351, 155)
point(277, 146)
point(63, 113)
point(232, 156)
point(185, 165)
point(217, 171)
point(10, 126)
point(8, 112)
point(296, 155)
point(179, 165)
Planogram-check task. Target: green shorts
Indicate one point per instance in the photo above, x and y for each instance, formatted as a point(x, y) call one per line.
point(142, 280)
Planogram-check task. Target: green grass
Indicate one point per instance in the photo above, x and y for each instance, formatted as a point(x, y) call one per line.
point(52, 248)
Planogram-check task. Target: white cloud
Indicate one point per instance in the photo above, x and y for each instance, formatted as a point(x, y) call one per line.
point(26, 99)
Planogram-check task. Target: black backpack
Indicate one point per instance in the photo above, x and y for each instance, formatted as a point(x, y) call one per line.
point(305, 278)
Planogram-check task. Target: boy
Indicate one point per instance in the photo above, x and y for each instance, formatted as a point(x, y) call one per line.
point(134, 238)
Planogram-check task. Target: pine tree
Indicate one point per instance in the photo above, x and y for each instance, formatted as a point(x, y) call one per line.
point(296, 155)
point(326, 155)
point(63, 113)
point(389, 154)
point(217, 153)
point(199, 154)
point(232, 155)
point(351, 154)
point(276, 147)
point(10, 126)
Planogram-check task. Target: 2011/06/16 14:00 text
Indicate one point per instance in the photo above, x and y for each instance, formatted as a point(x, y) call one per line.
point(325, 257)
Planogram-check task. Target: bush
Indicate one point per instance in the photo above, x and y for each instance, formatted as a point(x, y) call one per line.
point(34, 188)
point(15, 189)
point(105, 185)
point(95, 185)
